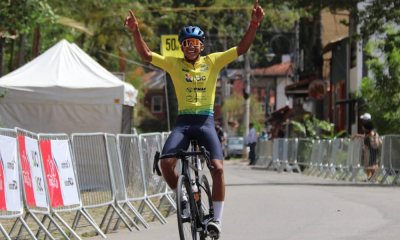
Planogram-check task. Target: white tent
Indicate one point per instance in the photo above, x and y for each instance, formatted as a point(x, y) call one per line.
point(64, 91)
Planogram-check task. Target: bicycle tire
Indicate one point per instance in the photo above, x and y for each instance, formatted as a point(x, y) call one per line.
point(206, 202)
point(186, 225)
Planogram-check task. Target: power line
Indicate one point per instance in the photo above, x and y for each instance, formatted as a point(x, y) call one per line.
point(129, 60)
point(197, 8)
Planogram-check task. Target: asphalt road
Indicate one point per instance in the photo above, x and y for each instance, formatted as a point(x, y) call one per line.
point(264, 205)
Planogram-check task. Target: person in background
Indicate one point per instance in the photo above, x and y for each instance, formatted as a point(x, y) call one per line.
point(371, 146)
point(366, 117)
point(251, 142)
point(264, 135)
point(281, 131)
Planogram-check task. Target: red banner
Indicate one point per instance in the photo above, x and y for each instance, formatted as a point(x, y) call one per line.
point(52, 176)
point(26, 172)
point(3, 205)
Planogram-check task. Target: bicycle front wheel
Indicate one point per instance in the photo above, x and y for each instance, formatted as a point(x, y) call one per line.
point(206, 203)
point(186, 210)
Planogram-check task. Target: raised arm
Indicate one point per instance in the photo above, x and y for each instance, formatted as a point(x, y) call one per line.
point(140, 45)
point(256, 17)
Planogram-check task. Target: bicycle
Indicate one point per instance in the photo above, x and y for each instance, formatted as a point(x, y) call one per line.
point(197, 192)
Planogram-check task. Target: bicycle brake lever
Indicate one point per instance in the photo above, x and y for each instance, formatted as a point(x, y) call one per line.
point(155, 164)
point(207, 156)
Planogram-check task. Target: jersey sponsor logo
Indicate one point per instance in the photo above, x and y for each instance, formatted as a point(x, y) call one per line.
point(189, 98)
point(189, 90)
point(199, 89)
point(189, 78)
point(200, 78)
point(185, 70)
point(201, 99)
point(203, 68)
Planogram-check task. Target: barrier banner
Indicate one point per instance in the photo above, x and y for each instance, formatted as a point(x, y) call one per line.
point(32, 172)
point(2, 188)
point(10, 172)
point(59, 172)
point(51, 170)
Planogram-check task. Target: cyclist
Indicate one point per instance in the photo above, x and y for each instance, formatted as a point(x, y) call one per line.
point(194, 78)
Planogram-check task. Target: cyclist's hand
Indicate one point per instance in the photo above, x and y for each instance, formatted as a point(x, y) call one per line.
point(131, 22)
point(257, 14)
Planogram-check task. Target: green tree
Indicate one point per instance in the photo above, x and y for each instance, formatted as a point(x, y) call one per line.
point(18, 18)
point(381, 92)
point(234, 108)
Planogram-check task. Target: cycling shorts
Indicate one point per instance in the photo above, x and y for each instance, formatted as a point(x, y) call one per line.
point(198, 127)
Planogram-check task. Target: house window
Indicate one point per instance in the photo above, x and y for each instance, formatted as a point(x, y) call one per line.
point(156, 104)
point(217, 100)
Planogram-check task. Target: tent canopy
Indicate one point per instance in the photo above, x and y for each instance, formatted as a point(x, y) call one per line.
point(64, 90)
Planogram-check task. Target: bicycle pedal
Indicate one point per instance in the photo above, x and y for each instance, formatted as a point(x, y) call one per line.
point(213, 235)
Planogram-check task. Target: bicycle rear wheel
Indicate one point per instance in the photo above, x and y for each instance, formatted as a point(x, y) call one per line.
point(186, 217)
point(206, 202)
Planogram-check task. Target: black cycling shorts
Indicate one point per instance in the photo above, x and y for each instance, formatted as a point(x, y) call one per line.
point(198, 127)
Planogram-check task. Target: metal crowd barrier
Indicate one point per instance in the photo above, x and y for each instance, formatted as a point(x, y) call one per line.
point(334, 158)
point(389, 167)
point(292, 149)
point(95, 174)
point(120, 191)
point(355, 160)
point(359, 159)
point(323, 157)
point(134, 176)
point(35, 187)
point(77, 207)
point(262, 151)
point(279, 154)
point(169, 193)
point(155, 186)
point(17, 185)
point(304, 152)
point(313, 163)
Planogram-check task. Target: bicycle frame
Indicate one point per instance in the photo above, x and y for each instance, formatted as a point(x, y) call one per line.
point(188, 162)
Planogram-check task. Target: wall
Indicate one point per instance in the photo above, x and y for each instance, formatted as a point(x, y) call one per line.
point(281, 99)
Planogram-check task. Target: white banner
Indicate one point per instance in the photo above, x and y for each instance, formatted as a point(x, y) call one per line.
point(62, 157)
point(32, 152)
point(8, 156)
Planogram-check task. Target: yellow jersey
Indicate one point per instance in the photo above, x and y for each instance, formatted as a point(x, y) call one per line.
point(195, 84)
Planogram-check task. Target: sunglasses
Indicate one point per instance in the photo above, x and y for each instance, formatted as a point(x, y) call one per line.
point(192, 41)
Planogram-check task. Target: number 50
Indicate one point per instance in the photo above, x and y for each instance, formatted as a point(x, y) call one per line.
point(171, 44)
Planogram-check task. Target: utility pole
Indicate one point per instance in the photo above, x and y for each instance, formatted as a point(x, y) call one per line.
point(296, 62)
point(166, 99)
point(246, 112)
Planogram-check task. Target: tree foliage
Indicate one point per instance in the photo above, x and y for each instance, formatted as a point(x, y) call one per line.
point(234, 107)
point(381, 92)
point(311, 126)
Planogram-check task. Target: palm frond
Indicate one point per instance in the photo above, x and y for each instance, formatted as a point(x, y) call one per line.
point(74, 24)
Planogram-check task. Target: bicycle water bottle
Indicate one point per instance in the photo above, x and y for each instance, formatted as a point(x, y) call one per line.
point(195, 191)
